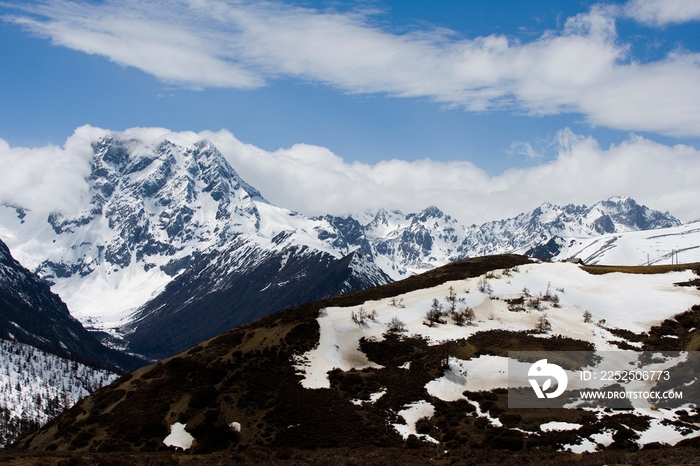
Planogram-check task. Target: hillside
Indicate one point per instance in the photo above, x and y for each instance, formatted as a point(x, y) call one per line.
point(35, 386)
point(310, 377)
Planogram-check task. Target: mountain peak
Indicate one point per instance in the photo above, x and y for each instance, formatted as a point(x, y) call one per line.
point(430, 212)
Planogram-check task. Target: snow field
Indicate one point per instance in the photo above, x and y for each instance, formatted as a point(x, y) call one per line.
point(636, 247)
point(629, 301)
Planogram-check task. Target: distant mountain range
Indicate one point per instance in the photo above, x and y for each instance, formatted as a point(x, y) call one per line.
point(171, 246)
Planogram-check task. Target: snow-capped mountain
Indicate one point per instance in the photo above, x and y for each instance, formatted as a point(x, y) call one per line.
point(35, 386)
point(405, 244)
point(169, 245)
point(162, 221)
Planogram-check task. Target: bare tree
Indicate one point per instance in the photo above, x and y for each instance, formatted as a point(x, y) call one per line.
point(451, 299)
point(543, 324)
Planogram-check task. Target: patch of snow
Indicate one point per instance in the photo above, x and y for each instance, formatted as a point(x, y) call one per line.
point(586, 446)
point(412, 414)
point(604, 438)
point(557, 425)
point(235, 426)
point(662, 431)
point(179, 437)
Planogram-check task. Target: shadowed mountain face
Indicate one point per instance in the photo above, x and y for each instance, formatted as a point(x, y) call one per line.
point(213, 295)
point(30, 313)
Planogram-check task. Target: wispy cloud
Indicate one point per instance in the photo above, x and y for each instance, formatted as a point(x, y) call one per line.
point(581, 68)
point(313, 180)
point(663, 12)
point(524, 148)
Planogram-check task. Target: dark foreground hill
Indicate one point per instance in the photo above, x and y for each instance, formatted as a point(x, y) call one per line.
point(240, 397)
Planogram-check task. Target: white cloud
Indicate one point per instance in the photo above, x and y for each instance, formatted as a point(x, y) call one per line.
point(47, 178)
point(662, 12)
point(213, 43)
point(314, 181)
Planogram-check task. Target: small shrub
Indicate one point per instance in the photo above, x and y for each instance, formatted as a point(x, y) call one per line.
point(396, 326)
point(587, 317)
point(484, 286)
point(397, 302)
point(554, 299)
point(468, 315)
point(362, 317)
point(533, 303)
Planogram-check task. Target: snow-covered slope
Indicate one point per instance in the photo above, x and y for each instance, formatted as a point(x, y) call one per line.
point(680, 244)
point(577, 307)
point(36, 386)
point(32, 314)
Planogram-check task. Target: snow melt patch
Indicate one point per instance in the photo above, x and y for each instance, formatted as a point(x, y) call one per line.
point(558, 425)
point(586, 446)
point(663, 431)
point(179, 437)
point(338, 347)
point(412, 414)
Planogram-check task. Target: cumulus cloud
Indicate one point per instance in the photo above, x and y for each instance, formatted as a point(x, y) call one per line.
point(214, 43)
point(314, 181)
point(662, 12)
point(47, 178)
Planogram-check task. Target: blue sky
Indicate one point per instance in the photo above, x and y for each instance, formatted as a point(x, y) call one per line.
point(491, 84)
